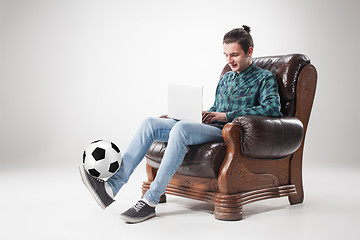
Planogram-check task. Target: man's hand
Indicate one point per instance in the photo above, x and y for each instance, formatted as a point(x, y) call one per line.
point(208, 117)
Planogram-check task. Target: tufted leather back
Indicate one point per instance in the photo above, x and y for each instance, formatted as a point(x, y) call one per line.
point(286, 69)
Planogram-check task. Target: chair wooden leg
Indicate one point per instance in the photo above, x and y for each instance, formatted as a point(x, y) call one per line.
point(228, 207)
point(228, 213)
point(163, 198)
point(298, 197)
point(296, 178)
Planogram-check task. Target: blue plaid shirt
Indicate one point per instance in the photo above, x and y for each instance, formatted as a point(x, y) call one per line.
point(253, 91)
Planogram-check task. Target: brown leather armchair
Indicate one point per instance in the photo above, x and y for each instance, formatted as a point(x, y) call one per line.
point(261, 157)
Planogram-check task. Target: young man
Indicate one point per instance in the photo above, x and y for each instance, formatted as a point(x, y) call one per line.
point(246, 90)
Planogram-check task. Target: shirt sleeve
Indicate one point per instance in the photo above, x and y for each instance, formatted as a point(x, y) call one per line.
point(269, 100)
point(213, 108)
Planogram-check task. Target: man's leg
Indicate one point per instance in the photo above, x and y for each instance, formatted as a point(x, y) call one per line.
point(150, 130)
point(182, 134)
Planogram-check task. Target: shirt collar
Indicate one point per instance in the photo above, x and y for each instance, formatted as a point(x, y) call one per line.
point(248, 69)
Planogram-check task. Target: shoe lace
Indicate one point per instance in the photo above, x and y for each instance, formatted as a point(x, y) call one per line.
point(138, 206)
point(99, 180)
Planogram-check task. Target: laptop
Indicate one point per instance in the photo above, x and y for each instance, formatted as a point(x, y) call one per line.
point(185, 102)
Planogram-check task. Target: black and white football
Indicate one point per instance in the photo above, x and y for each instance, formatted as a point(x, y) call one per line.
point(102, 159)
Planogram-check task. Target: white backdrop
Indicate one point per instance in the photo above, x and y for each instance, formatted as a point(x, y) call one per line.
point(73, 71)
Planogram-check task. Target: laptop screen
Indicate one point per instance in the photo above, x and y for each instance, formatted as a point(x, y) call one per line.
point(185, 102)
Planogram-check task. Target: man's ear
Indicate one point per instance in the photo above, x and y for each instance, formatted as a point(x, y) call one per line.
point(250, 51)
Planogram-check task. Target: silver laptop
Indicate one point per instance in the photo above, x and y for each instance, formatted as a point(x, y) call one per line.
point(185, 102)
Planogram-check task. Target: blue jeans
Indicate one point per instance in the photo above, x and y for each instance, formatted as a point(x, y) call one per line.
point(178, 134)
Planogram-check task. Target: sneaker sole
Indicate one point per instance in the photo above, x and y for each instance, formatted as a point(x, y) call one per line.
point(90, 188)
point(136, 220)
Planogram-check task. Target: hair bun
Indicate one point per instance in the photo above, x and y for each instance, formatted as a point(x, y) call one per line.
point(246, 28)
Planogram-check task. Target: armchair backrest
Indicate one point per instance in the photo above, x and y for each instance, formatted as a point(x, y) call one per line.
point(286, 69)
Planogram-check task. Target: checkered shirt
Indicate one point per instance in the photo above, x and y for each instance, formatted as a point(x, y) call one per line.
point(253, 91)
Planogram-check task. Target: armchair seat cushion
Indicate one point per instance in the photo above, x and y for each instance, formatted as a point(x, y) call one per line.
point(202, 160)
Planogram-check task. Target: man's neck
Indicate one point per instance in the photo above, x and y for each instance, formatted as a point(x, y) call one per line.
point(248, 65)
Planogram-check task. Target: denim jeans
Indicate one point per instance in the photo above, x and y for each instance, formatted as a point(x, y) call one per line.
point(178, 134)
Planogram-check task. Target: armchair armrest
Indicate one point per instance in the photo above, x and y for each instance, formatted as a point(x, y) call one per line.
point(269, 137)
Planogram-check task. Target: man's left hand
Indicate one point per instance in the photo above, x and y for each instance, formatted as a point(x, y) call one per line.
point(208, 117)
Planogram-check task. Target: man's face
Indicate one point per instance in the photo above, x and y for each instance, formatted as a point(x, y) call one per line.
point(236, 57)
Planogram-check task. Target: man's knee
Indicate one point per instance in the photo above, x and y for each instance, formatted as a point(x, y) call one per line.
point(181, 130)
point(150, 121)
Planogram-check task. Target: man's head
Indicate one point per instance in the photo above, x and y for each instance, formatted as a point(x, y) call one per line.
point(238, 48)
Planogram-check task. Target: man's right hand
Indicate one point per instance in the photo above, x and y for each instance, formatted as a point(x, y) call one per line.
point(206, 117)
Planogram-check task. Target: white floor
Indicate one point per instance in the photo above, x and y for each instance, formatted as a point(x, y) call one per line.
point(52, 203)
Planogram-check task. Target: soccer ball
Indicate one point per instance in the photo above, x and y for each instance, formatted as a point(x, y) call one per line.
point(102, 159)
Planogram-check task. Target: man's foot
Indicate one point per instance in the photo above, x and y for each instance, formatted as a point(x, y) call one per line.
point(97, 188)
point(141, 211)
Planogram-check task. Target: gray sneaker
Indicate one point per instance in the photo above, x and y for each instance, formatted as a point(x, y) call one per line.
point(97, 188)
point(141, 211)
